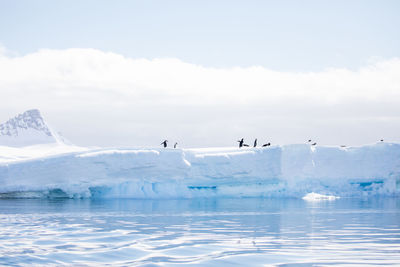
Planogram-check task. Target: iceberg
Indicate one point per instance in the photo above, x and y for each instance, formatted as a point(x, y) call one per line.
point(37, 162)
point(276, 171)
point(318, 197)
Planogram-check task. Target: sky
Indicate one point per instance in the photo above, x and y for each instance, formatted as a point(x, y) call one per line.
point(204, 73)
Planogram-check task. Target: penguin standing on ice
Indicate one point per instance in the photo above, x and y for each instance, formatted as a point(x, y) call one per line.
point(255, 143)
point(314, 144)
point(175, 145)
point(309, 140)
point(241, 142)
point(164, 143)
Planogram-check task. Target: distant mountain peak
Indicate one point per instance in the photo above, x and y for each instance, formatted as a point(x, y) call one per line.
point(30, 119)
point(27, 129)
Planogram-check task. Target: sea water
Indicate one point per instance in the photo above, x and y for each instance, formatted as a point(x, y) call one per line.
point(199, 232)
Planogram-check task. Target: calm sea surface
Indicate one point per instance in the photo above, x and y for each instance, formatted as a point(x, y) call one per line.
point(199, 232)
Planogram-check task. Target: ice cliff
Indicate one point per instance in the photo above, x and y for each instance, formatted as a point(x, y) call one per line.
point(289, 171)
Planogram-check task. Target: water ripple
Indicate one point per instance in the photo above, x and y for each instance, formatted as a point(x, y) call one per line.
point(247, 232)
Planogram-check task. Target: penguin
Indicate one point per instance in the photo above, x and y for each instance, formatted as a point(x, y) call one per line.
point(164, 143)
point(175, 145)
point(314, 144)
point(241, 143)
point(255, 143)
point(309, 140)
point(381, 140)
point(267, 144)
point(245, 145)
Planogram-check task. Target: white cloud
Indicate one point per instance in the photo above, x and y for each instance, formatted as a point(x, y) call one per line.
point(86, 92)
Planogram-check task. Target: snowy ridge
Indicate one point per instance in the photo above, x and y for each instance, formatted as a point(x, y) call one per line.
point(27, 129)
point(277, 171)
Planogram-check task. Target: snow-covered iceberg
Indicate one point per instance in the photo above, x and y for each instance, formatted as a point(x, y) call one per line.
point(277, 171)
point(37, 162)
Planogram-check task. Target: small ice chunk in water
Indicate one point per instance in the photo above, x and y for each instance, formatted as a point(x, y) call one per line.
point(318, 197)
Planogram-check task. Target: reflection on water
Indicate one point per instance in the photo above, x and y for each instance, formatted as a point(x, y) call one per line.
point(210, 232)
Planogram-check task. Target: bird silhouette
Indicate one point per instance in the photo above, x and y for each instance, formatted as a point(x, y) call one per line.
point(241, 142)
point(164, 143)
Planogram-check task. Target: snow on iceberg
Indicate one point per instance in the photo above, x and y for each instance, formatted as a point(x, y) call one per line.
point(277, 171)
